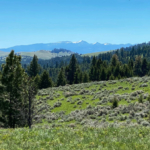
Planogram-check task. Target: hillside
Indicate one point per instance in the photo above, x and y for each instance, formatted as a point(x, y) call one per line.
point(90, 104)
point(81, 116)
point(95, 54)
point(41, 54)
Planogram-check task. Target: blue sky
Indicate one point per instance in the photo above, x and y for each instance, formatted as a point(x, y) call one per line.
point(25, 22)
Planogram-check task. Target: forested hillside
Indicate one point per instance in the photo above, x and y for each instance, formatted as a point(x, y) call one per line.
point(121, 63)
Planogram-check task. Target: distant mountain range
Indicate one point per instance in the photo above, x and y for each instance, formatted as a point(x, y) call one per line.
point(81, 47)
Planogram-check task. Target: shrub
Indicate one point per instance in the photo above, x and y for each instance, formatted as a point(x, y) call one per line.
point(144, 85)
point(93, 117)
point(122, 118)
point(148, 98)
point(120, 87)
point(89, 106)
point(79, 102)
point(140, 99)
point(115, 103)
point(57, 104)
point(110, 118)
point(74, 106)
point(145, 123)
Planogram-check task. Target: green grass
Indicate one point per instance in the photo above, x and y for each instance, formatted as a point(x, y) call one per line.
point(68, 107)
point(45, 135)
point(42, 54)
point(95, 54)
point(62, 138)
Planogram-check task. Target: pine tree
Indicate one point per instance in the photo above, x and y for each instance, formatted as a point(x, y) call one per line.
point(91, 74)
point(34, 67)
point(114, 60)
point(45, 80)
point(37, 81)
point(117, 71)
point(80, 77)
point(12, 79)
point(99, 63)
point(138, 66)
point(130, 64)
point(111, 77)
point(94, 61)
point(144, 67)
point(4, 105)
point(85, 78)
point(103, 74)
point(72, 68)
point(76, 77)
point(61, 78)
point(30, 90)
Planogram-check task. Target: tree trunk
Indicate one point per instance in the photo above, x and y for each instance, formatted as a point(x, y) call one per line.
point(10, 111)
point(29, 120)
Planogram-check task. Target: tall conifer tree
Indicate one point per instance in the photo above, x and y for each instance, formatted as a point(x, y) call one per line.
point(12, 79)
point(45, 80)
point(34, 67)
point(144, 67)
point(72, 68)
point(61, 78)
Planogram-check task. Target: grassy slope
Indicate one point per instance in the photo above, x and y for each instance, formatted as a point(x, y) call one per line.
point(94, 54)
point(90, 99)
point(42, 54)
point(91, 124)
point(45, 54)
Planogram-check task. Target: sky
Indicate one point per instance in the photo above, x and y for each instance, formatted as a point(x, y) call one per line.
point(24, 22)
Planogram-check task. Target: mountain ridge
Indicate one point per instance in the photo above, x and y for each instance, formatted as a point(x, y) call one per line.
point(81, 47)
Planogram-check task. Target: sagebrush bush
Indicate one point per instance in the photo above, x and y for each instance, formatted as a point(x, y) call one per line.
point(57, 104)
point(140, 99)
point(148, 98)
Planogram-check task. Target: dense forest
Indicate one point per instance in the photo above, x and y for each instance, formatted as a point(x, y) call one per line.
point(121, 63)
point(20, 82)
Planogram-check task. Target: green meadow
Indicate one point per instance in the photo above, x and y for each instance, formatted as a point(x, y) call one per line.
point(82, 116)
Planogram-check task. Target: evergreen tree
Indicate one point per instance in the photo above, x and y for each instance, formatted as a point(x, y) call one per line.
point(80, 77)
point(138, 66)
point(76, 77)
point(91, 74)
point(37, 81)
point(117, 71)
point(61, 78)
point(130, 64)
point(34, 67)
point(4, 105)
point(85, 78)
point(99, 63)
point(114, 60)
point(144, 67)
point(103, 74)
point(111, 77)
point(94, 61)
point(45, 80)
point(30, 90)
point(72, 68)
point(12, 79)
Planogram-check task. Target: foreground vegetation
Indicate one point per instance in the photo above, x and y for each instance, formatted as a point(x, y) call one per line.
point(62, 138)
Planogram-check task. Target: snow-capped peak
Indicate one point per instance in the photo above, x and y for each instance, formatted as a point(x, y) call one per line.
point(106, 44)
point(79, 41)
